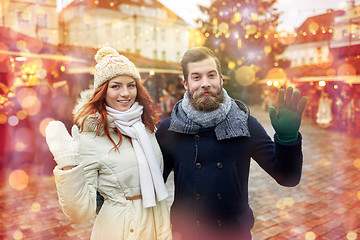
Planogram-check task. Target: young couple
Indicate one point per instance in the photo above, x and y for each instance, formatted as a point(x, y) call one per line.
point(116, 149)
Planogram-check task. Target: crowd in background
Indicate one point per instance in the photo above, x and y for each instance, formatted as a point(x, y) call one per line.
point(335, 105)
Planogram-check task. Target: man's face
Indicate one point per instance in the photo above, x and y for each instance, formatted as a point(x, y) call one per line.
point(204, 85)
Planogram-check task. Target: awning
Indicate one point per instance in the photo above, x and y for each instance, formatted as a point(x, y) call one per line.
point(352, 79)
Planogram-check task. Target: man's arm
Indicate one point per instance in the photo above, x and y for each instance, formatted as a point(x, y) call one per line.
point(163, 139)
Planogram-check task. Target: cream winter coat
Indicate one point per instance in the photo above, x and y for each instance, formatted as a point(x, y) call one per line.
point(115, 175)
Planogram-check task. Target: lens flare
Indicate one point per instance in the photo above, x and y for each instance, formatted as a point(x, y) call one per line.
point(310, 236)
point(351, 235)
point(35, 207)
point(18, 179)
point(245, 75)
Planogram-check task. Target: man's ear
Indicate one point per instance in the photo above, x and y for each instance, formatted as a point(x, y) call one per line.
point(221, 80)
point(185, 84)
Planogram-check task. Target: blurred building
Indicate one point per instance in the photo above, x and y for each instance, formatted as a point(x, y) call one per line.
point(312, 44)
point(143, 27)
point(35, 18)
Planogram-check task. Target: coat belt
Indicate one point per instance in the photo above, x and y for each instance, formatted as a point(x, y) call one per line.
point(134, 197)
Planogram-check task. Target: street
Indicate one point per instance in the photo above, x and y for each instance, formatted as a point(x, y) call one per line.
point(325, 205)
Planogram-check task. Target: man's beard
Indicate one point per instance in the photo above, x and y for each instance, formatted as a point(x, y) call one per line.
point(206, 103)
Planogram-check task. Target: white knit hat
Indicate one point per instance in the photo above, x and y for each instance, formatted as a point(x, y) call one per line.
point(111, 64)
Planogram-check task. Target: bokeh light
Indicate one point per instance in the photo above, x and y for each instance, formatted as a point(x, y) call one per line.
point(324, 162)
point(13, 121)
point(17, 235)
point(18, 179)
point(43, 125)
point(322, 83)
point(276, 73)
point(3, 119)
point(245, 75)
point(351, 235)
point(251, 29)
point(310, 236)
point(357, 162)
point(223, 27)
point(21, 115)
point(35, 207)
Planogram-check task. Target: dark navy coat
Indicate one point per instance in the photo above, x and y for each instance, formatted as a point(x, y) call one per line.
point(211, 176)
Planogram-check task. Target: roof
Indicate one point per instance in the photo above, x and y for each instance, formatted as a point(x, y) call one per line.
point(113, 5)
point(317, 27)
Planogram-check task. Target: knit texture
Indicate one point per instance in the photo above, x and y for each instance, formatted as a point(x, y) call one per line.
point(65, 148)
point(130, 124)
point(207, 119)
point(235, 123)
point(111, 64)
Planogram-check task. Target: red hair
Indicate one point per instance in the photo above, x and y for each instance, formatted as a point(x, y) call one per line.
point(96, 105)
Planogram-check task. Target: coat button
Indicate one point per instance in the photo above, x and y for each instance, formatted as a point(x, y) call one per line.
point(219, 196)
point(131, 230)
point(197, 137)
point(198, 165)
point(219, 223)
point(219, 165)
point(197, 196)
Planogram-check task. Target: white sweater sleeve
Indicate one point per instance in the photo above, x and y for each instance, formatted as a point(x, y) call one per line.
point(76, 188)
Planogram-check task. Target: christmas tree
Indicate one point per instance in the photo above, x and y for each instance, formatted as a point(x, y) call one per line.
point(243, 35)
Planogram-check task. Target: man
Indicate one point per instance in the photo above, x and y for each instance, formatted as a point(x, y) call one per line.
point(208, 142)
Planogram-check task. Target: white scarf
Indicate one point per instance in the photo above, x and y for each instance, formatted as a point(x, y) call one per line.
point(130, 124)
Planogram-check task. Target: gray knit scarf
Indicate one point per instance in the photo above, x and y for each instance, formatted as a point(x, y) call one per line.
point(229, 120)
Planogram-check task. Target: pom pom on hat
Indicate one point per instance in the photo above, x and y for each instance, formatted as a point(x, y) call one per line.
point(105, 51)
point(111, 64)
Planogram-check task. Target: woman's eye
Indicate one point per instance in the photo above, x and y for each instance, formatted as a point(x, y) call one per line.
point(115, 86)
point(131, 85)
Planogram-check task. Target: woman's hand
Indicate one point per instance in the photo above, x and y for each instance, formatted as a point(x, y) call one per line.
point(64, 147)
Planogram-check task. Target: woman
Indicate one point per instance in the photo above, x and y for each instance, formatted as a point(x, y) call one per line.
point(115, 153)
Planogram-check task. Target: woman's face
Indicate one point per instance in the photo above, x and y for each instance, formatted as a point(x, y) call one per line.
point(121, 93)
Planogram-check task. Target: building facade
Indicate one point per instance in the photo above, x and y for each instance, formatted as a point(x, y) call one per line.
point(35, 18)
point(143, 27)
point(312, 44)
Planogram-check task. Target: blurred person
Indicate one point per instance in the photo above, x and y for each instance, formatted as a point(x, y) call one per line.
point(324, 114)
point(115, 153)
point(208, 142)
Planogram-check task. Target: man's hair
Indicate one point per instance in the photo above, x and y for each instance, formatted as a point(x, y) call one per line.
point(197, 54)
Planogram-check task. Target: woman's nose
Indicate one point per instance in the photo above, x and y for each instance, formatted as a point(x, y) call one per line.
point(124, 92)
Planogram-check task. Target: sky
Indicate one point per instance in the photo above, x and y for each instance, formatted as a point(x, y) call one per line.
point(294, 14)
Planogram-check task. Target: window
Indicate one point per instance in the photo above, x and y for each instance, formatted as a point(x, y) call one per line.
point(319, 50)
point(155, 54)
point(163, 35)
point(42, 20)
point(23, 18)
point(163, 55)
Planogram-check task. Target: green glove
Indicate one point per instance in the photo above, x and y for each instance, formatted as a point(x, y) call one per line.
point(286, 121)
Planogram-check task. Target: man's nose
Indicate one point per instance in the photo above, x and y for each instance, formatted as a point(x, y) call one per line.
point(205, 82)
